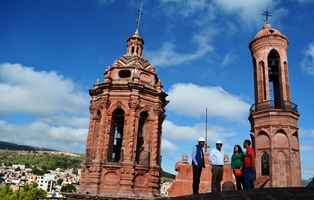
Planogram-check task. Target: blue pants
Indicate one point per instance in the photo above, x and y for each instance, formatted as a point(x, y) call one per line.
point(249, 177)
point(196, 178)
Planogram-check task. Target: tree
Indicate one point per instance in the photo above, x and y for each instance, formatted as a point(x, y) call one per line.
point(6, 193)
point(27, 165)
point(17, 169)
point(28, 192)
point(60, 181)
point(75, 171)
point(69, 188)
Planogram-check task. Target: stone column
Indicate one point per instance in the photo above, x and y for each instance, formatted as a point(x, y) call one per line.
point(129, 136)
point(127, 172)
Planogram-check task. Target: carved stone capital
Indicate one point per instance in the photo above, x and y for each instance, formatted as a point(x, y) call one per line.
point(118, 104)
point(158, 111)
point(133, 104)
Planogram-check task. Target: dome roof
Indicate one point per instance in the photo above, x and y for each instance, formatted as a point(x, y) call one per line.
point(268, 31)
point(134, 62)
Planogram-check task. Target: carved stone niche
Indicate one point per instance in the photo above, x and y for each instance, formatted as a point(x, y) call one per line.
point(111, 177)
point(141, 179)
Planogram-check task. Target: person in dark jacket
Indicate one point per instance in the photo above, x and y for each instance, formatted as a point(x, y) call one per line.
point(197, 163)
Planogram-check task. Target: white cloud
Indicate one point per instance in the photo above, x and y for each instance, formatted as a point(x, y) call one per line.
point(307, 148)
point(306, 140)
point(307, 63)
point(306, 133)
point(106, 2)
point(168, 56)
point(304, 1)
point(167, 147)
point(191, 100)
point(25, 90)
point(183, 7)
point(228, 58)
point(248, 11)
point(81, 122)
point(192, 133)
point(42, 135)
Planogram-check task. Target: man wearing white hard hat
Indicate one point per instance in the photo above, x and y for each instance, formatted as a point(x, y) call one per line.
point(197, 163)
point(216, 159)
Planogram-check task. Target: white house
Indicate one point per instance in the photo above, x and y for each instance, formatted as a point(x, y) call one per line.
point(45, 182)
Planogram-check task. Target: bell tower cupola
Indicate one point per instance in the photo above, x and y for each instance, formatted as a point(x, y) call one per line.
point(135, 44)
point(123, 147)
point(273, 117)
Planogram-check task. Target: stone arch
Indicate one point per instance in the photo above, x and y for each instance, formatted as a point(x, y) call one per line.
point(263, 140)
point(264, 79)
point(116, 135)
point(116, 105)
point(274, 71)
point(294, 142)
point(281, 139)
point(144, 109)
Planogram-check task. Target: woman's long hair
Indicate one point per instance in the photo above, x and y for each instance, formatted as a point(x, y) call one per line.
point(239, 149)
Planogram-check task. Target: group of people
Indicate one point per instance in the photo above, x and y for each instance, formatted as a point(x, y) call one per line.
point(243, 165)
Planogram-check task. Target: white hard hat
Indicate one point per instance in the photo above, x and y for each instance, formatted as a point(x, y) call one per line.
point(219, 142)
point(201, 139)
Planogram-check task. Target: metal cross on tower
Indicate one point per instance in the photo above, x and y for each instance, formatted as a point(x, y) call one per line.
point(139, 13)
point(267, 14)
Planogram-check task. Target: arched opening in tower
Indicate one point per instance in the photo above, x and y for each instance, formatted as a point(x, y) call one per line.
point(116, 136)
point(132, 50)
point(142, 150)
point(265, 164)
point(273, 61)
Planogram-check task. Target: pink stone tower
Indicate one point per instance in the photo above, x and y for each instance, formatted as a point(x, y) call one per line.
point(273, 117)
point(123, 148)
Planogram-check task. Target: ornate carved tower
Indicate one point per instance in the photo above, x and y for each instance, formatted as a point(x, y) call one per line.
point(123, 149)
point(273, 117)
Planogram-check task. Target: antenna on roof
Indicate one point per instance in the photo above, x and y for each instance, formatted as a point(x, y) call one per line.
point(139, 13)
point(266, 14)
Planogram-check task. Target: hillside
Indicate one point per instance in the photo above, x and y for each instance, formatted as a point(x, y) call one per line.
point(11, 153)
point(48, 159)
point(13, 146)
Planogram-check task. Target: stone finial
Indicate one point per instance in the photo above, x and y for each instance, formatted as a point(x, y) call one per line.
point(96, 84)
point(185, 158)
point(159, 85)
point(228, 185)
point(226, 159)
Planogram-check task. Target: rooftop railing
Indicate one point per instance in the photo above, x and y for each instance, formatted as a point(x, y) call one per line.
point(272, 104)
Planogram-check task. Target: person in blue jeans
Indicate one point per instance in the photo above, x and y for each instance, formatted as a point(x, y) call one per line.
point(249, 165)
point(197, 163)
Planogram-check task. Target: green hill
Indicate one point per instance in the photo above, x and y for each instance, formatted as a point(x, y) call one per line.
point(11, 153)
point(47, 159)
point(13, 146)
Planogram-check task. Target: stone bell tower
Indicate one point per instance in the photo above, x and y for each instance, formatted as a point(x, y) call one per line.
point(123, 148)
point(273, 117)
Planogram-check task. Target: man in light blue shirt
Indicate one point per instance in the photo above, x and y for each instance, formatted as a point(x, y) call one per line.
point(197, 163)
point(216, 159)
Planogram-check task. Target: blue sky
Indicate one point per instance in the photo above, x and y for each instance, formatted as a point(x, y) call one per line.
point(53, 51)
